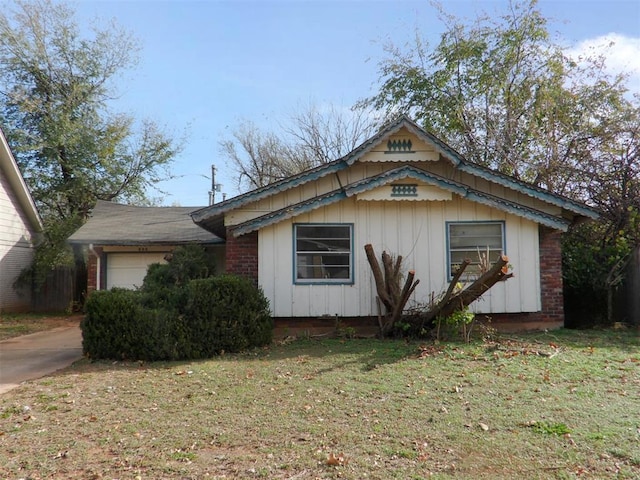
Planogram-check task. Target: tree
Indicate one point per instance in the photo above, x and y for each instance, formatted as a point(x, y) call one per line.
point(595, 256)
point(504, 95)
point(310, 138)
point(261, 158)
point(55, 88)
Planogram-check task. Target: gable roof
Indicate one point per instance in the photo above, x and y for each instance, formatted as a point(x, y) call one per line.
point(10, 170)
point(212, 217)
point(117, 224)
point(394, 175)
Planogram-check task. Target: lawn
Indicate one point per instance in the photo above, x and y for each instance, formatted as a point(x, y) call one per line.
point(563, 404)
point(16, 324)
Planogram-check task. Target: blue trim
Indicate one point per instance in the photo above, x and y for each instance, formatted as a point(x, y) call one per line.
point(389, 176)
point(288, 212)
point(529, 190)
point(519, 210)
point(339, 281)
point(448, 223)
point(267, 191)
point(208, 216)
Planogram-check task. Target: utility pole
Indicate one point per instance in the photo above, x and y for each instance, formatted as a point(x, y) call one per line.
point(215, 187)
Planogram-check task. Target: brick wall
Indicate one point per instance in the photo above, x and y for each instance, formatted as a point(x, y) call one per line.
point(242, 255)
point(551, 275)
point(92, 270)
point(552, 313)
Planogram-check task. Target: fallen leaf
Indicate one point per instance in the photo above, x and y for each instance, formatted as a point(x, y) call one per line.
point(337, 461)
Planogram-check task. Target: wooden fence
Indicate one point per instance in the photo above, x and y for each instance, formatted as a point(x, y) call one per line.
point(62, 290)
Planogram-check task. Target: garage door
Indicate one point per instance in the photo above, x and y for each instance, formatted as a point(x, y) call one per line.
point(127, 270)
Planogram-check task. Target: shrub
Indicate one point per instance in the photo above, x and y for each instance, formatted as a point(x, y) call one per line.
point(164, 286)
point(226, 313)
point(185, 263)
point(197, 320)
point(117, 325)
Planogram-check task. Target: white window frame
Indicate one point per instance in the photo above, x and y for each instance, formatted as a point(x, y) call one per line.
point(299, 255)
point(472, 272)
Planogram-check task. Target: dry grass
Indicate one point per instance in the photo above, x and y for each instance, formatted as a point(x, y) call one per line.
point(340, 409)
point(15, 325)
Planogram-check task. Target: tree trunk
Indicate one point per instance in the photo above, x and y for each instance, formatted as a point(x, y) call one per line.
point(388, 287)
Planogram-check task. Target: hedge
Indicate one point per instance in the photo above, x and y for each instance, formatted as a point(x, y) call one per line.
point(199, 319)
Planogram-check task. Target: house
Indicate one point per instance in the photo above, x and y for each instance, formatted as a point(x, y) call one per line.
point(20, 225)
point(123, 240)
point(404, 191)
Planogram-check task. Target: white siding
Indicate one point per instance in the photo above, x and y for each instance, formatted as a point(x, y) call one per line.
point(415, 230)
point(16, 249)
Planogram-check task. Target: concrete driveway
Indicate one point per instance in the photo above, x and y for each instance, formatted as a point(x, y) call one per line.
point(39, 354)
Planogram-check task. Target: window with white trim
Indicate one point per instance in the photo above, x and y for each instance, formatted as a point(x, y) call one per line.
point(476, 241)
point(323, 253)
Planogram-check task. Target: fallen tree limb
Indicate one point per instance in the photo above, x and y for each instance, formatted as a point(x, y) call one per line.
point(499, 271)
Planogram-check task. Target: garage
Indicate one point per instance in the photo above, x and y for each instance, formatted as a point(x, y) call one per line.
point(121, 241)
point(127, 270)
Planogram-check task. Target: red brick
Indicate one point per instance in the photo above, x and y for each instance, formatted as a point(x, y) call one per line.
point(242, 255)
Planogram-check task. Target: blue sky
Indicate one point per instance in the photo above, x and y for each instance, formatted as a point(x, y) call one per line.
point(207, 65)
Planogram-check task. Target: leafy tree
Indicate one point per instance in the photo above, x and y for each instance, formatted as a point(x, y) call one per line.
point(55, 88)
point(311, 137)
point(503, 94)
point(596, 255)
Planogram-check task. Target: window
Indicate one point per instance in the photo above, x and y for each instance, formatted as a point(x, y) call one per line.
point(472, 240)
point(323, 253)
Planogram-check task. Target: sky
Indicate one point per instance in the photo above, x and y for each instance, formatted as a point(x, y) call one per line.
point(206, 66)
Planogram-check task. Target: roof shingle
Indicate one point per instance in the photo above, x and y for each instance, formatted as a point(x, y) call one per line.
point(117, 224)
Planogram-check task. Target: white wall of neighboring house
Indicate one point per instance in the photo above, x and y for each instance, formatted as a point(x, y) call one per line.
point(16, 246)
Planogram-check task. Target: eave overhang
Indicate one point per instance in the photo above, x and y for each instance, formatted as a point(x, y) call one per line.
point(141, 243)
point(208, 217)
point(212, 218)
point(391, 176)
point(530, 190)
point(9, 165)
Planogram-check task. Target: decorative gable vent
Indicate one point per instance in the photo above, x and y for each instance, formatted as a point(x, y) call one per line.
point(404, 190)
point(399, 146)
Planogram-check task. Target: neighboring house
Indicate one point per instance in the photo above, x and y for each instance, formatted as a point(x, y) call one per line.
point(123, 240)
point(19, 227)
point(302, 239)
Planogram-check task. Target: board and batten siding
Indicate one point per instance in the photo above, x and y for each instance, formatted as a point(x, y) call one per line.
point(16, 247)
point(415, 230)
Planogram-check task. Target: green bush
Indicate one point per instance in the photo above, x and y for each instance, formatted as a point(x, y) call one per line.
point(164, 286)
point(117, 325)
point(174, 322)
point(226, 313)
point(160, 291)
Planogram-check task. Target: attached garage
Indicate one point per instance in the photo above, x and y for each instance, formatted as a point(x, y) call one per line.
point(127, 270)
point(121, 241)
